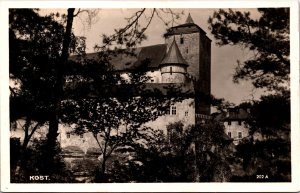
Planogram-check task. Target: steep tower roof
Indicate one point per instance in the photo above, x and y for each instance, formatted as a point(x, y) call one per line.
point(189, 19)
point(174, 56)
point(188, 27)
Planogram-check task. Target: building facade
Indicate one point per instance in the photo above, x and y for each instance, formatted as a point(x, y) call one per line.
point(184, 59)
point(234, 121)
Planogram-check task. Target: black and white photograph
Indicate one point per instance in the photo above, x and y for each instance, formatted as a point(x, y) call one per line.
point(108, 95)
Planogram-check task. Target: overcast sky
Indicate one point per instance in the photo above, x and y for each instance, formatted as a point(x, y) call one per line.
point(223, 61)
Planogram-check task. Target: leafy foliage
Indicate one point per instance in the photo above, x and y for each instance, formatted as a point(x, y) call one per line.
point(267, 37)
point(31, 164)
point(119, 108)
point(197, 153)
point(267, 150)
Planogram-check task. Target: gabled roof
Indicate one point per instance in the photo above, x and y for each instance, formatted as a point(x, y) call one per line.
point(174, 56)
point(153, 55)
point(233, 114)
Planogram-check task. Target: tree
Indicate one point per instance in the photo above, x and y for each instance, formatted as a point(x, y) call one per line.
point(270, 118)
point(130, 35)
point(117, 112)
point(33, 52)
point(47, 47)
point(196, 153)
point(267, 37)
point(131, 105)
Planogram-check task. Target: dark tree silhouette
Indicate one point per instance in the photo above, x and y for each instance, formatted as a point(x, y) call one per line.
point(267, 37)
point(269, 68)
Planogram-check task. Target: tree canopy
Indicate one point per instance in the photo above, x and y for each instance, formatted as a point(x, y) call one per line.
point(268, 38)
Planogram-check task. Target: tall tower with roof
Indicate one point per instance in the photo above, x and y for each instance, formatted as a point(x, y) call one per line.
point(173, 67)
point(195, 48)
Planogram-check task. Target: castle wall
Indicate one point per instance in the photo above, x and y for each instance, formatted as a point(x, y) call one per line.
point(173, 74)
point(185, 112)
point(205, 73)
point(154, 75)
point(84, 141)
point(189, 50)
point(196, 50)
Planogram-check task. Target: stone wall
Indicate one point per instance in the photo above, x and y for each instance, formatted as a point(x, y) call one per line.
point(189, 50)
point(185, 112)
point(173, 74)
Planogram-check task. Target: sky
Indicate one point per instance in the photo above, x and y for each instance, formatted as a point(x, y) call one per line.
point(223, 59)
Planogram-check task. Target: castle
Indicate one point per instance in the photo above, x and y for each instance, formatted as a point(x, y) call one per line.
point(184, 59)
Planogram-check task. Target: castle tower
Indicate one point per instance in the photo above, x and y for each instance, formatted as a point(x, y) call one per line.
point(173, 67)
point(195, 48)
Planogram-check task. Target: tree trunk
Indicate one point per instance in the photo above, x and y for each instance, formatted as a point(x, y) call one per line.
point(58, 90)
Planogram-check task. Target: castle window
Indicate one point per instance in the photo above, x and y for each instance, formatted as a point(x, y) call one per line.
point(173, 110)
point(240, 135)
point(68, 135)
point(152, 80)
point(81, 135)
point(187, 50)
point(240, 122)
point(181, 39)
point(229, 134)
point(171, 70)
point(186, 113)
point(229, 122)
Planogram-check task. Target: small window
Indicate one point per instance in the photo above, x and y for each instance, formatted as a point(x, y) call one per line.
point(173, 110)
point(152, 80)
point(240, 122)
point(229, 122)
point(229, 134)
point(181, 39)
point(240, 135)
point(187, 50)
point(171, 70)
point(68, 135)
point(186, 113)
point(81, 135)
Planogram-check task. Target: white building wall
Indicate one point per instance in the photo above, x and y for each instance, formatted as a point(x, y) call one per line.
point(185, 112)
point(154, 75)
point(173, 74)
point(18, 130)
point(233, 129)
point(67, 139)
